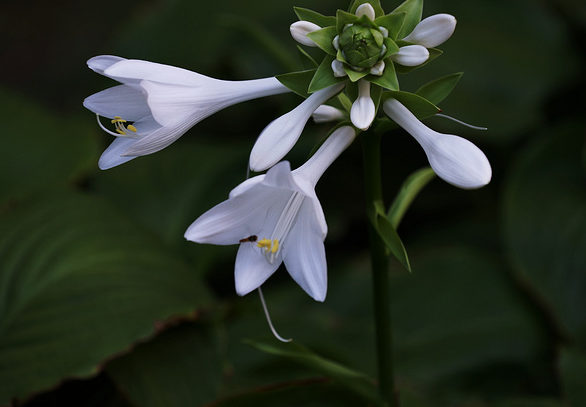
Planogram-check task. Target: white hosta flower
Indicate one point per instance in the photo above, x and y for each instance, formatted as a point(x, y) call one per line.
point(363, 109)
point(367, 10)
point(279, 137)
point(432, 31)
point(299, 31)
point(454, 159)
point(411, 55)
point(276, 218)
point(156, 104)
point(325, 114)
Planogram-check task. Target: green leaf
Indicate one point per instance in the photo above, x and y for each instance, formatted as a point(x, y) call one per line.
point(392, 48)
point(419, 106)
point(314, 17)
point(354, 75)
point(353, 380)
point(413, 10)
point(392, 22)
point(323, 38)
point(343, 18)
point(80, 282)
point(180, 367)
point(388, 79)
point(307, 60)
point(388, 233)
point(408, 192)
point(40, 149)
point(378, 11)
point(324, 76)
point(298, 82)
point(437, 90)
point(572, 366)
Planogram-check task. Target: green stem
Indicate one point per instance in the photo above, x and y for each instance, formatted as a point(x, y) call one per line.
point(380, 270)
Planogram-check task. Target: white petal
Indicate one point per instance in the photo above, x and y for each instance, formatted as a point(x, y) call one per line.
point(100, 63)
point(134, 69)
point(363, 109)
point(325, 114)
point(304, 256)
point(365, 9)
point(124, 101)
point(411, 55)
point(338, 68)
point(378, 69)
point(454, 159)
point(112, 156)
point(252, 268)
point(280, 136)
point(433, 30)
point(299, 31)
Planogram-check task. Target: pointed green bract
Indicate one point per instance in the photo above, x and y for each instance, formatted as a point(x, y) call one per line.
point(408, 192)
point(419, 106)
point(392, 22)
point(413, 10)
point(388, 80)
point(324, 76)
point(305, 14)
point(437, 90)
point(307, 60)
point(354, 75)
point(343, 18)
point(323, 38)
point(392, 48)
point(378, 10)
point(392, 240)
point(298, 82)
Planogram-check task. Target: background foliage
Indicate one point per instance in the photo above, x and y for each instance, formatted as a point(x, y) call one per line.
point(103, 303)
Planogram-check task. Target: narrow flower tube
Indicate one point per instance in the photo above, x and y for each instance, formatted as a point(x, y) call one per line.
point(325, 114)
point(454, 159)
point(363, 109)
point(279, 137)
point(411, 55)
point(276, 218)
point(433, 31)
point(156, 104)
point(299, 31)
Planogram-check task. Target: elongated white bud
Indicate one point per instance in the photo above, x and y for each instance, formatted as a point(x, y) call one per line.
point(363, 109)
point(299, 31)
point(325, 114)
point(365, 10)
point(411, 55)
point(433, 30)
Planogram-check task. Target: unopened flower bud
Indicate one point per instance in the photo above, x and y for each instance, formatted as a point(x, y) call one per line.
point(411, 55)
point(433, 31)
point(299, 31)
point(361, 45)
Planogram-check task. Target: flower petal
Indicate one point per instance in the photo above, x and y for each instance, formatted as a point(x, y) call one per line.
point(299, 31)
point(134, 69)
point(112, 156)
point(122, 100)
point(433, 30)
point(252, 268)
point(411, 55)
point(363, 109)
point(100, 63)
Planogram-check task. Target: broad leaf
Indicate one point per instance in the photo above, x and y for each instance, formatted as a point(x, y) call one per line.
point(437, 90)
point(388, 79)
point(324, 76)
point(298, 82)
point(392, 22)
point(314, 17)
point(413, 10)
point(419, 106)
point(323, 38)
point(343, 18)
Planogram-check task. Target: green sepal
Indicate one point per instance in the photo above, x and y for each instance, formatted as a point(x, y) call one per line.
point(354, 75)
point(408, 192)
point(437, 90)
point(378, 10)
point(324, 76)
point(343, 18)
point(388, 79)
point(306, 59)
point(323, 38)
point(305, 14)
point(433, 54)
point(419, 106)
point(392, 22)
point(388, 234)
point(298, 82)
point(392, 48)
point(413, 10)
point(355, 381)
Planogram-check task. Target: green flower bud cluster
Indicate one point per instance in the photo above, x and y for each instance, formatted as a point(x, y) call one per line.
point(361, 45)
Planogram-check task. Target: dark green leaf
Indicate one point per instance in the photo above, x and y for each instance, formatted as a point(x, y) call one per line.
point(324, 76)
point(391, 238)
point(419, 106)
point(343, 18)
point(437, 90)
point(413, 10)
point(354, 75)
point(392, 22)
point(323, 38)
point(408, 192)
point(298, 82)
point(388, 80)
point(314, 17)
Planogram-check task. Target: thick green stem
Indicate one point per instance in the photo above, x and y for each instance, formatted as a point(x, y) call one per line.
point(380, 270)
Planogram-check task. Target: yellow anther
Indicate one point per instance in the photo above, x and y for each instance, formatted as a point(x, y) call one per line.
point(266, 243)
point(275, 246)
point(131, 128)
point(118, 119)
point(120, 131)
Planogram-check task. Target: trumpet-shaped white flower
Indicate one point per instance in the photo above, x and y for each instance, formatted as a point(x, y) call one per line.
point(432, 31)
point(454, 159)
point(161, 102)
point(363, 109)
point(299, 31)
point(276, 218)
point(411, 55)
point(279, 137)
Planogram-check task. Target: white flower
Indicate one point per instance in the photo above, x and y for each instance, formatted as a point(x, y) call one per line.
point(325, 114)
point(276, 218)
point(433, 30)
point(411, 55)
point(162, 102)
point(363, 109)
point(279, 137)
point(454, 159)
point(299, 31)
point(367, 10)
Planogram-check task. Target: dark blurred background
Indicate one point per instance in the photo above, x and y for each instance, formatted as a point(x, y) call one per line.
point(102, 302)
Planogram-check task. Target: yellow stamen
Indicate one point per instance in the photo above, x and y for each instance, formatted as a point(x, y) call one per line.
point(269, 245)
point(275, 246)
point(131, 128)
